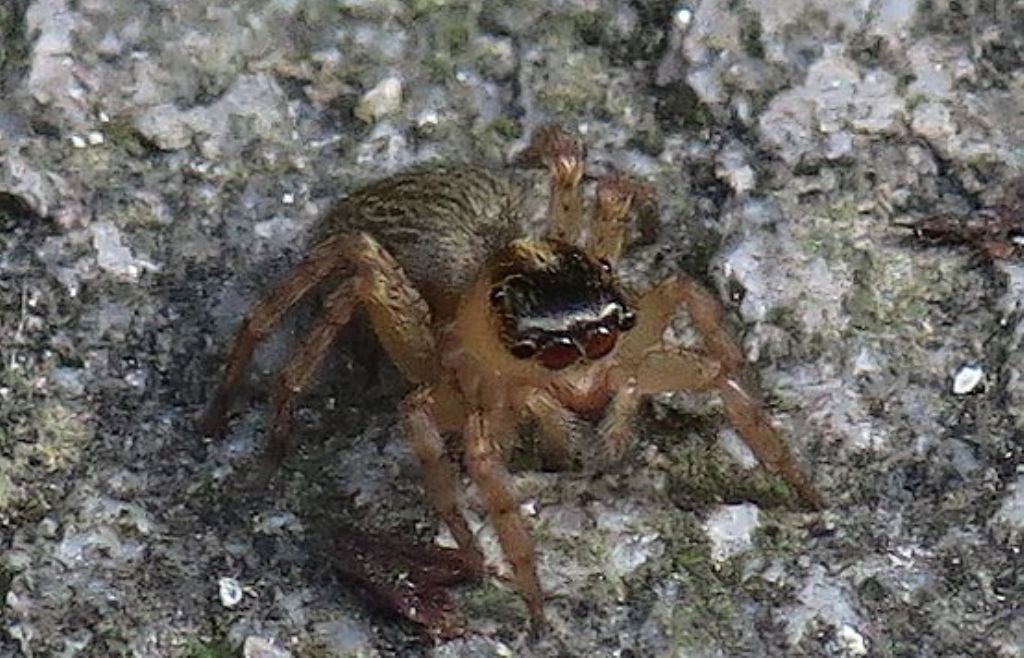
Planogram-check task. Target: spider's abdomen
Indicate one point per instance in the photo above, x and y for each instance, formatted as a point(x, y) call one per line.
point(440, 222)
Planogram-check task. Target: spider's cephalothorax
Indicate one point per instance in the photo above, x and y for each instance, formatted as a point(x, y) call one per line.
point(493, 330)
point(556, 304)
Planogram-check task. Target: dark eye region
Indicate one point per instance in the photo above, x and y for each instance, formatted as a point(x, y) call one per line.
point(559, 350)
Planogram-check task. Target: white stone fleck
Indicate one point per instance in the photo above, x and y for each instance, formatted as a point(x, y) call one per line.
point(630, 552)
point(732, 166)
point(95, 138)
point(275, 228)
point(287, 198)
point(428, 119)
point(851, 641)
point(1008, 520)
point(111, 254)
point(822, 598)
point(731, 442)
point(730, 530)
point(78, 142)
point(967, 379)
point(385, 98)
point(230, 592)
point(258, 647)
point(682, 18)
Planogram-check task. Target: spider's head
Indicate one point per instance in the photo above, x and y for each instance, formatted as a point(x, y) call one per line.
point(556, 304)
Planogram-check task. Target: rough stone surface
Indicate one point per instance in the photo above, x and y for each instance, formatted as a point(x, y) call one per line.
point(160, 163)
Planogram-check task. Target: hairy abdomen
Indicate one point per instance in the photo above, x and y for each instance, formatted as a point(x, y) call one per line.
point(440, 222)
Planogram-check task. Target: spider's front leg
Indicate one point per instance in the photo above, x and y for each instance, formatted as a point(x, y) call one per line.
point(439, 476)
point(484, 434)
point(658, 368)
point(618, 199)
point(559, 428)
point(564, 157)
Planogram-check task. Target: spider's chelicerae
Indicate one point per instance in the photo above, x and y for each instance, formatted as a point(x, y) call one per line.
point(493, 329)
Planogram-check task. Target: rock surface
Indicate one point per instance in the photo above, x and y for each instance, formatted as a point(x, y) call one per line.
point(161, 161)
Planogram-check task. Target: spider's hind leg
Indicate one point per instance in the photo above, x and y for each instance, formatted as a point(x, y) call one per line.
point(400, 318)
point(326, 259)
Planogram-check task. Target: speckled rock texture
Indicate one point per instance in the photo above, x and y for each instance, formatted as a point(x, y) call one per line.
point(161, 161)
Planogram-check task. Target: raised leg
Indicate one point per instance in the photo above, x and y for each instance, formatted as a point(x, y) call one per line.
point(326, 259)
point(439, 477)
point(563, 155)
point(484, 461)
point(618, 199)
point(655, 370)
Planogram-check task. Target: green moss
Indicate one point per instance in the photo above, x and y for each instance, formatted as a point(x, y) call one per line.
point(491, 141)
point(451, 28)
point(862, 301)
point(828, 238)
point(219, 648)
point(709, 615)
point(577, 85)
point(751, 33)
point(13, 45)
point(591, 26)
point(700, 476)
point(488, 600)
point(679, 107)
point(61, 434)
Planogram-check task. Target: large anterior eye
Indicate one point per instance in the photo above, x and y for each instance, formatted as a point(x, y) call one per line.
point(524, 349)
point(599, 341)
point(560, 353)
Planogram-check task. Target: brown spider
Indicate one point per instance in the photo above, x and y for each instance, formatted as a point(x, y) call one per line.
point(493, 329)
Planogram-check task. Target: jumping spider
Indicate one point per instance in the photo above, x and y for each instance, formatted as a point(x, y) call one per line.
point(493, 329)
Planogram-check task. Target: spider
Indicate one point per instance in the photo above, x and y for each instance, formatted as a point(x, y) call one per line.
point(493, 329)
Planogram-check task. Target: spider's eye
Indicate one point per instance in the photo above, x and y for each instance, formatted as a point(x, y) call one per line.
point(524, 349)
point(497, 295)
point(560, 353)
point(599, 341)
point(627, 320)
point(605, 265)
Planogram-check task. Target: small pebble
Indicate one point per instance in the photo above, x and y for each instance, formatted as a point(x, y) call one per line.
point(852, 641)
point(730, 530)
point(78, 142)
point(383, 99)
point(427, 119)
point(257, 647)
point(967, 379)
point(682, 18)
point(230, 592)
point(95, 138)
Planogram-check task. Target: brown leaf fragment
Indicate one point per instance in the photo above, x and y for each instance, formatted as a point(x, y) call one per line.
point(409, 579)
point(998, 231)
